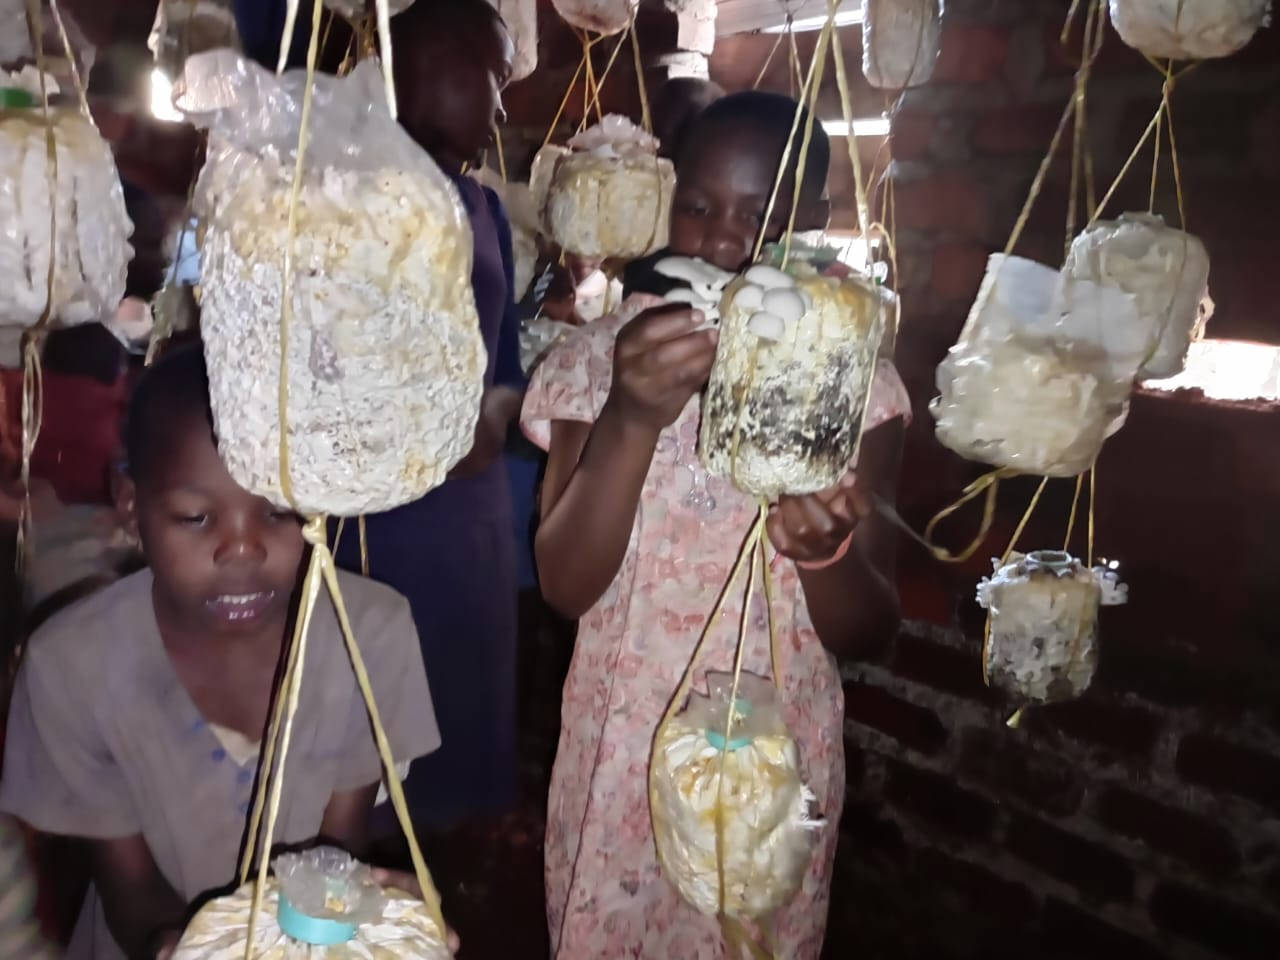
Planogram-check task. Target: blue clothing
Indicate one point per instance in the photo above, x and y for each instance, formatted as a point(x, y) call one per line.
point(453, 555)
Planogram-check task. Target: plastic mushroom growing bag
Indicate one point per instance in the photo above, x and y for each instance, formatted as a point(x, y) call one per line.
point(320, 904)
point(1165, 270)
point(784, 407)
point(182, 29)
point(1042, 642)
point(1042, 372)
point(521, 18)
point(90, 239)
point(385, 359)
point(609, 194)
point(900, 42)
point(1188, 29)
point(767, 812)
point(598, 16)
point(522, 212)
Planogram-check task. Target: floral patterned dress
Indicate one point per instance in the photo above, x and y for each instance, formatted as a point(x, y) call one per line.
point(606, 897)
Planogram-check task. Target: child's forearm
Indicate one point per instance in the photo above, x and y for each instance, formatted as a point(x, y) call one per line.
point(854, 607)
point(140, 905)
point(584, 534)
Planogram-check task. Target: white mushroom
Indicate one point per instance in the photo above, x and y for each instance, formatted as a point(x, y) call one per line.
point(696, 273)
point(748, 297)
point(787, 304)
point(769, 277)
point(767, 326)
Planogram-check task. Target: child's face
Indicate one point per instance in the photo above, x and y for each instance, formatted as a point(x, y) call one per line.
point(225, 562)
point(451, 92)
point(721, 196)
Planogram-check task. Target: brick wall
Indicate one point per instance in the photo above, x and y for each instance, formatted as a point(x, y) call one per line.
point(1143, 820)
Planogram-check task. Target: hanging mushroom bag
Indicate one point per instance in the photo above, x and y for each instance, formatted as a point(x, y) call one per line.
point(89, 245)
point(385, 360)
point(1188, 29)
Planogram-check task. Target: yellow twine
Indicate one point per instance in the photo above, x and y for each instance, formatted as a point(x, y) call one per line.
point(815, 86)
point(33, 339)
point(786, 150)
point(321, 569)
point(752, 553)
point(645, 116)
point(988, 483)
point(772, 53)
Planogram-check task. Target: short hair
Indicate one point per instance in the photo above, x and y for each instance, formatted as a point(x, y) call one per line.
point(768, 115)
point(675, 106)
point(421, 21)
point(173, 389)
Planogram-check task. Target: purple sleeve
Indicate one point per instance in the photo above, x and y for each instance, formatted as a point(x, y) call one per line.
point(507, 371)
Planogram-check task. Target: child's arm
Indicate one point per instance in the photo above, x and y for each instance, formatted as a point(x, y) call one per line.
point(852, 601)
point(346, 819)
point(143, 911)
point(595, 473)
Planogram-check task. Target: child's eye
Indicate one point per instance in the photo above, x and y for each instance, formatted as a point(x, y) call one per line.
point(193, 519)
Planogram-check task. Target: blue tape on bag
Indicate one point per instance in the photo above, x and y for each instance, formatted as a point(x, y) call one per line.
point(318, 931)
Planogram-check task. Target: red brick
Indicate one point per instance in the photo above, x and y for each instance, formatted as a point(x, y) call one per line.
point(1219, 765)
point(912, 134)
point(1071, 933)
point(1008, 768)
point(971, 53)
point(1098, 873)
point(943, 668)
point(950, 202)
point(1193, 839)
point(979, 890)
point(1230, 929)
point(1118, 728)
point(957, 270)
point(1023, 128)
point(940, 801)
point(915, 726)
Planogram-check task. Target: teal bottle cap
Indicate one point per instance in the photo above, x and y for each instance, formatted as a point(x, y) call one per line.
point(317, 931)
point(741, 708)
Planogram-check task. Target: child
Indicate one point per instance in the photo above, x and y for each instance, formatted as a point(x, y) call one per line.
point(678, 101)
point(453, 553)
point(638, 540)
point(138, 712)
point(20, 934)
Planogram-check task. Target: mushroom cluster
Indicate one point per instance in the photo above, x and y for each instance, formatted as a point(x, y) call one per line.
point(1042, 644)
point(784, 406)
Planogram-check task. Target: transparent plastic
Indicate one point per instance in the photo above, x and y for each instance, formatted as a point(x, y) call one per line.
point(770, 826)
point(1165, 270)
point(1042, 371)
point(90, 248)
point(598, 16)
point(1043, 640)
point(784, 407)
point(326, 884)
point(385, 363)
point(608, 195)
point(900, 42)
point(1189, 29)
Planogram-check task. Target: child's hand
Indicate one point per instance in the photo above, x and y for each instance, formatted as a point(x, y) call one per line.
point(813, 528)
point(661, 359)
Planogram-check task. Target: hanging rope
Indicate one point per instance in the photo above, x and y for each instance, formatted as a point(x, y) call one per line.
point(321, 569)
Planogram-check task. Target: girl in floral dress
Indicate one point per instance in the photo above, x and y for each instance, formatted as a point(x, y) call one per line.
point(637, 540)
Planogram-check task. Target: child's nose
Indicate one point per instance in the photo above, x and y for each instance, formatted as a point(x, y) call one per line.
point(241, 543)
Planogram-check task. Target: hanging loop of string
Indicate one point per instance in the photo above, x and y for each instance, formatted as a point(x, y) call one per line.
point(321, 570)
point(753, 556)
